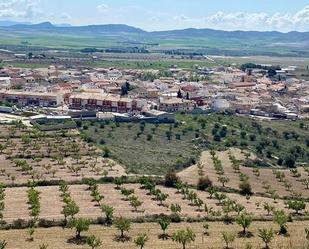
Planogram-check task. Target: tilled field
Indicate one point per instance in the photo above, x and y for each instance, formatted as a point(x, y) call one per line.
point(58, 238)
point(16, 206)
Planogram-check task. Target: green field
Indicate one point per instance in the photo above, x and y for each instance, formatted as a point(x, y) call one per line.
point(147, 149)
point(233, 46)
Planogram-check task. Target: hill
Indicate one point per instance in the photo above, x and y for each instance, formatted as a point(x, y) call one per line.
point(47, 26)
point(182, 42)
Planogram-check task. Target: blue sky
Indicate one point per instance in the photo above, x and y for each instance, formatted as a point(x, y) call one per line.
point(283, 15)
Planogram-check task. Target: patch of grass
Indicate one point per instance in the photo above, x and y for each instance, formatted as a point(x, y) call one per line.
point(146, 148)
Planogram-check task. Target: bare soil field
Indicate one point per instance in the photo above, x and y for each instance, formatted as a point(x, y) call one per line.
point(16, 206)
point(258, 183)
point(58, 238)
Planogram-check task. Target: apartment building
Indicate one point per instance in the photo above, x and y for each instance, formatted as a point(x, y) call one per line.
point(106, 102)
point(27, 98)
point(173, 104)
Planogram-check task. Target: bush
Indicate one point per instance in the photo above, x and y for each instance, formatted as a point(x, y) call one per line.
point(171, 179)
point(204, 183)
point(175, 218)
point(245, 188)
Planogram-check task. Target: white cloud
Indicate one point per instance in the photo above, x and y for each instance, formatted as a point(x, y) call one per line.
point(103, 8)
point(261, 20)
point(19, 8)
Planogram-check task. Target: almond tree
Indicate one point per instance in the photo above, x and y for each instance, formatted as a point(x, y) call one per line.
point(3, 244)
point(42, 246)
point(266, 235)
point(135, 202)
point(281, 218)
point(141, 240)
point(123, 225)
point(297, 205)
point(228, 238)
point(94, 242)
point(80, 225)
point(223, 180)
point(268, 208)
point(109, 212)
point(184, 237)
point(70, 210)
point(175, 208)
point(164, 224)
point(244, 220)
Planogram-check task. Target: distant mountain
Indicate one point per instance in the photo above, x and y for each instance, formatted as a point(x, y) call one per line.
point(297, 36)
point(182, 33)
point(6, 23)
point(110, 28)
point(39, 26)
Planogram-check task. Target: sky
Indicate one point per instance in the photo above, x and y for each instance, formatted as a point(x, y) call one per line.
point(150, 15)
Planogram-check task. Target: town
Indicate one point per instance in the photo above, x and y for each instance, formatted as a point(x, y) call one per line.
point(264, 91)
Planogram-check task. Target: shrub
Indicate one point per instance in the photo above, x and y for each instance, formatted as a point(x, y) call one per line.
point(245, 188)
point(204, 183)
point(171, 179)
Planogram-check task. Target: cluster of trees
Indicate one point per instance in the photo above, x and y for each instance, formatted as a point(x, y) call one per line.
point(149, 76)
point(270, 69)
